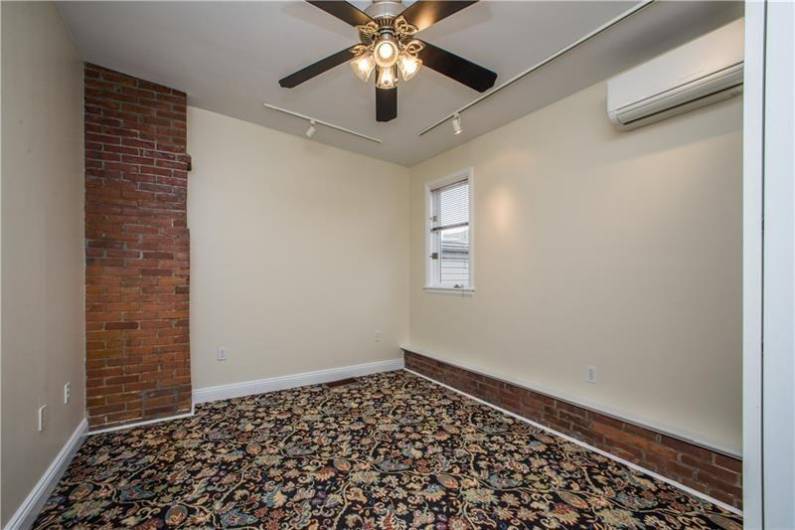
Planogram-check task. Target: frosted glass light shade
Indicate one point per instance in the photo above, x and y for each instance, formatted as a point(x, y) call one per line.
point(408, 66)
point(386, 78)
point(386, 52)
point(363, 66)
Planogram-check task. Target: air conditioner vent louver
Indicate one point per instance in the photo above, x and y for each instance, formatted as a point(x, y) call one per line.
point(701, 72)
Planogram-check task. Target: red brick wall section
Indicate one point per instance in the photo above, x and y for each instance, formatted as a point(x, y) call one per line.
point(702, 469)
point(137, 268)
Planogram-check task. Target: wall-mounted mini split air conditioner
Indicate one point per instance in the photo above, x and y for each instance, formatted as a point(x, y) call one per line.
point(698, 73)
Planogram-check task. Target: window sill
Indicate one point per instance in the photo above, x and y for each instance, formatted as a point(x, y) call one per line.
point(461, 291)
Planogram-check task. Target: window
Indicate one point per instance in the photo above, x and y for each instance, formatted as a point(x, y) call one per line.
point(449, 233)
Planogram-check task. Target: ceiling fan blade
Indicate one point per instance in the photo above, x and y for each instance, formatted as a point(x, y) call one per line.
point(425, 13)
point(385, 104)
point(458, 68)
point(343, 11)
point(317, 68)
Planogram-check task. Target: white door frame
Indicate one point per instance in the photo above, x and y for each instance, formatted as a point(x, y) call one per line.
point(769, 267)
point(753, 137)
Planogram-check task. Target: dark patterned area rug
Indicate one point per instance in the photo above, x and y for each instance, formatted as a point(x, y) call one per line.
point(389, 451)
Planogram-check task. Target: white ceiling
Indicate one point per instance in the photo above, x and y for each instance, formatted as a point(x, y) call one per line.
point(229, 56)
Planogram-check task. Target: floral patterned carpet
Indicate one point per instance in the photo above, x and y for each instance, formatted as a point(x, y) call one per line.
point(388, 451)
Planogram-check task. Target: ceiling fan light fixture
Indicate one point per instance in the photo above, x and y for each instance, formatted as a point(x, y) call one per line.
point(386, 51)
point(386, 78)
point(363, 66)
point(408, 66)
point(457, 127)
point(388, 47)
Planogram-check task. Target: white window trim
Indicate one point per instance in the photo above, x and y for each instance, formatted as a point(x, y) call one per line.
point(469, 174)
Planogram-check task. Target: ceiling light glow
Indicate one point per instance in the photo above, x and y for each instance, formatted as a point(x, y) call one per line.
point(386, 52)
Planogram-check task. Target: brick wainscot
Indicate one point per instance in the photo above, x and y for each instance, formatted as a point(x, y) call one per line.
point(700, 468)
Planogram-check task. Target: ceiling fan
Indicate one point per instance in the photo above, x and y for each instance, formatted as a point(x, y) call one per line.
point(388, 48)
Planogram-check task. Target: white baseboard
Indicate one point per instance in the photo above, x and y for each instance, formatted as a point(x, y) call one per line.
point(260, 386)
point(636, 467)
point(26, 514)
point(125, 426)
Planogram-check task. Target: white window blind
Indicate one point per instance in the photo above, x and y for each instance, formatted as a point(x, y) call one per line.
point(450, 236)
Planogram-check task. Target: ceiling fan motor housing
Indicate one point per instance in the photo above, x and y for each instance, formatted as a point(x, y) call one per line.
point(385, 9)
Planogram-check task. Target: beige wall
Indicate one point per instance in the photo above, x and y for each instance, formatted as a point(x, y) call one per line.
point(298, 253)
point(619, 250)
point(593, 248)
point(42, 236)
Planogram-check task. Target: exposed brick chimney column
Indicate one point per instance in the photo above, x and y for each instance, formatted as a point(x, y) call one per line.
point(137, 255)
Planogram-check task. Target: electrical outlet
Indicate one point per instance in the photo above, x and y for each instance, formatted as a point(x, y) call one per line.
point(40, 416)
point(379, 336)
point(222, 354)
point(67, 393)
point(590, 375)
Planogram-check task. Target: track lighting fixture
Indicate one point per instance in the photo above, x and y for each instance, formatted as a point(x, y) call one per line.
point(314, 122)
point(310, 132)
point(457, 128)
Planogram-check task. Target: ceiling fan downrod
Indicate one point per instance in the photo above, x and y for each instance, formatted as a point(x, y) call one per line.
point(385, 9)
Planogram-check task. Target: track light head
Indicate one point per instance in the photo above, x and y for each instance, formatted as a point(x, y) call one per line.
point(457, 128)
point(310, 132)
